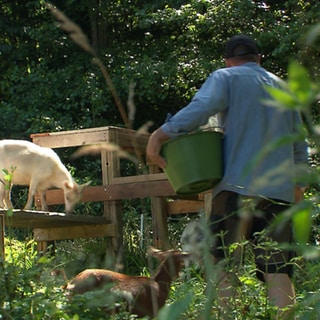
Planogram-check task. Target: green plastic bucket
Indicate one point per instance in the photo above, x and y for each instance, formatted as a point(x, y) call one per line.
point(194, 161)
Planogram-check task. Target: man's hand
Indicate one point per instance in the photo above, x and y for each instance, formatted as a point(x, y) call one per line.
point(154, 148)
point(298, 194)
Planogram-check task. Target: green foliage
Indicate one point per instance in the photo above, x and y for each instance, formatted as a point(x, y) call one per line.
point(302, 221)
point(29, 291)
point(298, 92)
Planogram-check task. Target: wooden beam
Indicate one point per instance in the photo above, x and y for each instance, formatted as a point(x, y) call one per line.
point(143, 178)
point(115, 192)
point(73, 232)
point(184, 206)
point(127, 139)
point(39, 219)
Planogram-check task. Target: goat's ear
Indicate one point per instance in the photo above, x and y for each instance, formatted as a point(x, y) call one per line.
point(156, 253)
point(85, 185)
point(152, 251)
point(184, 254)
point(68, 185)
point(59, 272)
point(162, 255)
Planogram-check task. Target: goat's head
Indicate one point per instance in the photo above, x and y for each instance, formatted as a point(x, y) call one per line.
point(72, 194)
point(171, 262)
point(193, 240)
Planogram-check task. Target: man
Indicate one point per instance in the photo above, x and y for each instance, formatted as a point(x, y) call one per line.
point(259, 181)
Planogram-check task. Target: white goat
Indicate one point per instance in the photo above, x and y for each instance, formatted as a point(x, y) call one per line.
point(193, 240)
point(39, 168)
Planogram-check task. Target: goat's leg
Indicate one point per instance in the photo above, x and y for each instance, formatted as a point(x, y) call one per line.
point(31, 194)
point(2, 203)
point(42, 194)
point(5, 190)
point(7, 198)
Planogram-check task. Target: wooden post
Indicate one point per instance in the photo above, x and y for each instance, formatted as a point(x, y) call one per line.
point(159, 218)
point(208, 204)
point(110, 166)
point(42, 247)
point(160, 223)
point(1, 240)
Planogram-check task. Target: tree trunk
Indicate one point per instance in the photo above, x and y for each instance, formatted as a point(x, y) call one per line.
point(101, 36)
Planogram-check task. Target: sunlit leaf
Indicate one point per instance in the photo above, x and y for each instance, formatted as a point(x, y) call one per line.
point(313, 34)
point(297, 93)
point(302, 221)
point(281, 97)
point(8, 177)
point(5, 171)
point(44, 259)
point(299, 82)
point(9, 212)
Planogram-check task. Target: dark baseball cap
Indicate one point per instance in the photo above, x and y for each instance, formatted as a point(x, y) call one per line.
point(248, 46)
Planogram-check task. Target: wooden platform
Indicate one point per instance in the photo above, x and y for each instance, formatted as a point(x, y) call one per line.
point(48, 226)
point(30, 219)
point(127, 139)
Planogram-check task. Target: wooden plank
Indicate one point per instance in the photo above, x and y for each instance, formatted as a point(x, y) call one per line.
point(39, 219)
point(127, 139)
point(139, 190)
point(69, 138)
point(139, 178)
point(115, 192)
point(184, 206)
point(73, 232)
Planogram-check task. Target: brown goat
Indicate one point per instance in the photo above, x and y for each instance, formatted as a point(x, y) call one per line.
point(143, 296)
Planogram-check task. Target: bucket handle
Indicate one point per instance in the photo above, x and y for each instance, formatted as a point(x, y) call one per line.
point(205, 128)
point(213, 128)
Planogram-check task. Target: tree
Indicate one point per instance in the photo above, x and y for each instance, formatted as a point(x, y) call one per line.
point(166, 48)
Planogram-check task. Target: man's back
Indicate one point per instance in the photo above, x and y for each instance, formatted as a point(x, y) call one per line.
point(251, 126)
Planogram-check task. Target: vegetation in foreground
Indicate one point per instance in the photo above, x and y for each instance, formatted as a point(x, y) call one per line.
point(30, 291)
